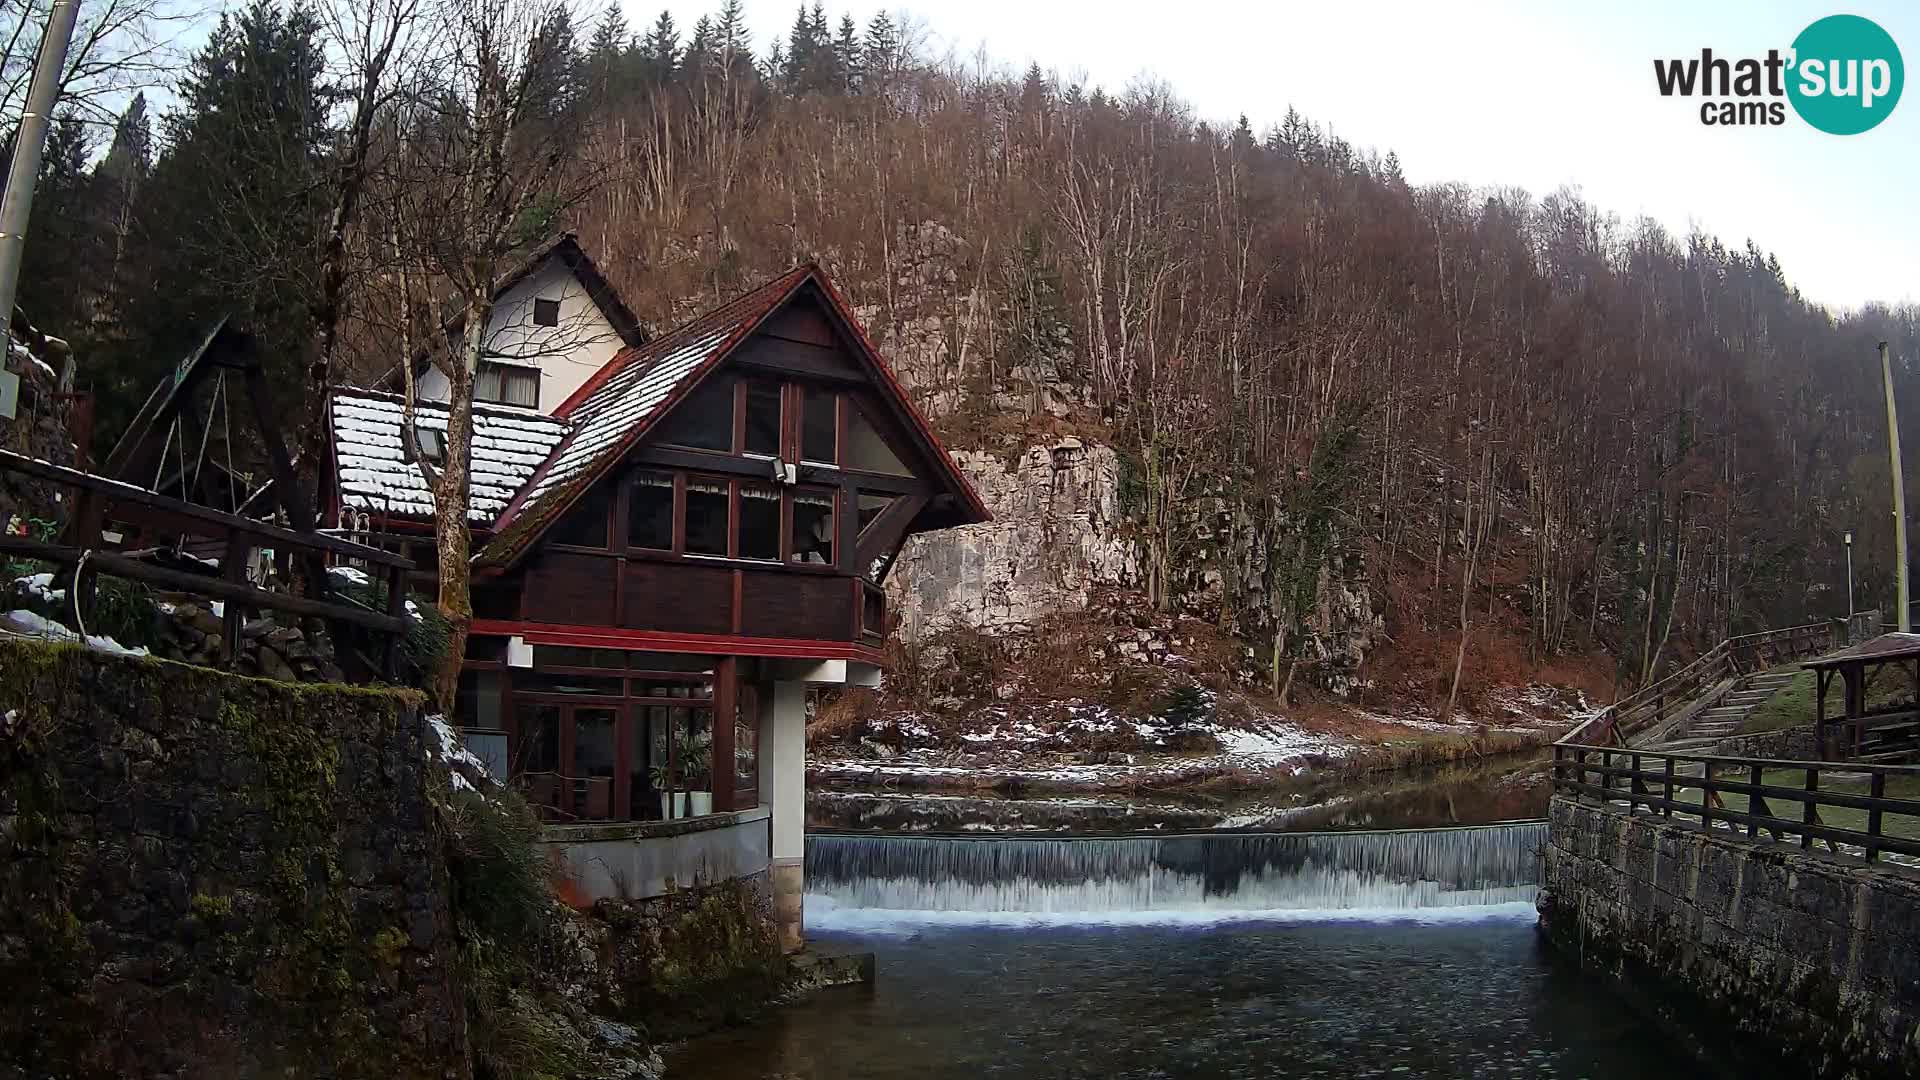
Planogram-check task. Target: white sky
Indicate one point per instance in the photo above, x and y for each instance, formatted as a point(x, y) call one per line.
point(1503, 92)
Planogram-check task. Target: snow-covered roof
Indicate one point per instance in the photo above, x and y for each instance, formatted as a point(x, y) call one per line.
point(374, 475)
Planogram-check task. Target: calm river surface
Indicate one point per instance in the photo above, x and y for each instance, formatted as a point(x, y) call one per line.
point(1460, 993)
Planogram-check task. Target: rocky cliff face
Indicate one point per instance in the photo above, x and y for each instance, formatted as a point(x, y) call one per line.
point(1057, 536)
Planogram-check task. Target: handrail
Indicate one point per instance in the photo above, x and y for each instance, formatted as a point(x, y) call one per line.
point(1655, 789)
point(1656, 701)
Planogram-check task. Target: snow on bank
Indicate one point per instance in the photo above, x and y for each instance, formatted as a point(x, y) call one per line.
point(35, 625)
point(469, 773)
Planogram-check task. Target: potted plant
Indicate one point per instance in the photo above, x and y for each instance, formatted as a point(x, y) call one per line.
point(673, 803)
point(696, 766)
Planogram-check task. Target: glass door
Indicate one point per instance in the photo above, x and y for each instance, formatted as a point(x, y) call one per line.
point(536, 755)
point(595, 765)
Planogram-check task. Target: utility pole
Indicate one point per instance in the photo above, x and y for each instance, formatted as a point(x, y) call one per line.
point(1899, 495)
point(29, 144)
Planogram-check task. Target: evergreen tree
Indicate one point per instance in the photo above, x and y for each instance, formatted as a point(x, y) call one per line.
point(880, 53)
point(699, 59)
point(660, 51)
point(801, 46)
point(232, 216)
point(59, 265)
point(608, 56)
point(1243, 137)
point(846, 55)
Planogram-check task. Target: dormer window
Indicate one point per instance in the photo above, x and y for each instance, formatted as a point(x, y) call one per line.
point(546, 312)
point(507, 384)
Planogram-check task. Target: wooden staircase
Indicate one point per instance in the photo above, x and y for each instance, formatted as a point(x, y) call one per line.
point(1725, 716)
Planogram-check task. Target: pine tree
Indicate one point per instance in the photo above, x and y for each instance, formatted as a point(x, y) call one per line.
point(880, 53)
point(800, 49)
point(1243, 137)
point(846, 55)
point(59, 266)
point(699, 62)
point(607, 57)
point(660, 51)
point(232, 214)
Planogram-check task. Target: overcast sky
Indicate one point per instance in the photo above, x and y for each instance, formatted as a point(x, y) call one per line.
point(1537, 94)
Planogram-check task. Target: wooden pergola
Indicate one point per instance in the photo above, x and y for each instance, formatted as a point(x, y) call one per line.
point(1859, 732)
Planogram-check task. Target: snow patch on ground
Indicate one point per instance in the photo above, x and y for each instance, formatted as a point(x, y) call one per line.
point(35, 625)
point(40, 587)
point(443, 744)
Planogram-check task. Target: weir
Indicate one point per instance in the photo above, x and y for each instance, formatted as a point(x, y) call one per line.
point(1391, 870)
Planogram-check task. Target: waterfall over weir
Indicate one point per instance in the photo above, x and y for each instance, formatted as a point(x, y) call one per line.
point(1221, 872)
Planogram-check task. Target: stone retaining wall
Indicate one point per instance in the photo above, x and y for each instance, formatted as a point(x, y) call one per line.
point(208, 875)
point(1787, 744)
point(1816, 957)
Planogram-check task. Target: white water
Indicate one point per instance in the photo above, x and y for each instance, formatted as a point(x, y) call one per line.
point(1490, 871)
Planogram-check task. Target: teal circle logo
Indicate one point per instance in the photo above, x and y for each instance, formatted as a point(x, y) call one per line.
point(1846, 74)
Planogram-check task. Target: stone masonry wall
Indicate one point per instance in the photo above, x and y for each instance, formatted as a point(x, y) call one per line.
point(209, 875)
point(1813, 957)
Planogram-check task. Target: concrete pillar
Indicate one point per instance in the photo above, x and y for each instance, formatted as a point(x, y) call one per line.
point(783, 779)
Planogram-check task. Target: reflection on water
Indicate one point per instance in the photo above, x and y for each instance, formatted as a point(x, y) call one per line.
point(1470, 996)
point(1508, 789)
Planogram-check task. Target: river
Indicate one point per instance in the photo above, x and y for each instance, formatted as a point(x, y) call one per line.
point(1351, 954)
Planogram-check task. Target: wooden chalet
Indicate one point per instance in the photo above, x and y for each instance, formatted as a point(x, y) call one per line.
point(700, 530)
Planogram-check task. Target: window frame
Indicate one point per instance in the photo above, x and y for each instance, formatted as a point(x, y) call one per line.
point(505, 369)
point(543, 305)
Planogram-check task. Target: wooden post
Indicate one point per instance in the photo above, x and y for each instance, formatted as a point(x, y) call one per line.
point(1706, 796)
point(1899, 495)
point(396, 607)
point(1668, 795)
point(1756, 806)
point(1809, 814)
point(1878, 790)
point(233, 569)
point(1820, 712)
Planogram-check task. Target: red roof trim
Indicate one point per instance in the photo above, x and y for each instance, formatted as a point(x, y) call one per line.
point(613, 637)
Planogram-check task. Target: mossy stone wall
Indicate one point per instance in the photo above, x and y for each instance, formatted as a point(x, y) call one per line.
point(1812, 960)
point(209, 875)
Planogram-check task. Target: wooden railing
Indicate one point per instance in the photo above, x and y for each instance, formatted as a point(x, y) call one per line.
point(1665, 698)
point(89, 553)
point(1848, 806)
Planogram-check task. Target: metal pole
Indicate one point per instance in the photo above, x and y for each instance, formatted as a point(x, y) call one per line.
point(1899, 494)
point(29, 144)
point(1849, 581)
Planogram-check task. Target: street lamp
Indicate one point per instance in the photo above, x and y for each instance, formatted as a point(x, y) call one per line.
point(1848, 541)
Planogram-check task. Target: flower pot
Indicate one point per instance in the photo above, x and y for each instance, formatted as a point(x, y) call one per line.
point(701, 802)
point(674, 806)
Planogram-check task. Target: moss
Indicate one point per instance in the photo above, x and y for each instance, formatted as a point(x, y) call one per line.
point(696, 959)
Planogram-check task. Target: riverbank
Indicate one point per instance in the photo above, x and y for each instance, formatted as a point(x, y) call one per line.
point(1211, 752)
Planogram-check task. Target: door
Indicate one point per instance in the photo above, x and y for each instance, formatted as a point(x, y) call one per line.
point(595, 774)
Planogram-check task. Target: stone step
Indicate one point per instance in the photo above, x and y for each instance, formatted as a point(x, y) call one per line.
point(1747, 697)
point(1685, 744)
point(1772, 682)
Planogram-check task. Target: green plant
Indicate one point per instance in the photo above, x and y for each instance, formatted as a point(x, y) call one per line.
point(1184, 706)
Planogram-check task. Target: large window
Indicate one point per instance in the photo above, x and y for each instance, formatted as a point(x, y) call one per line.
point(759, 522)
point(763, 419)
point(739, 519)
point(792, 420)
point(705, 420)
point(507, 384)
point(819, 423)
point(707, 517)
point(866, 451)
point(586, 524)
point(813, 527)
point(650, 511)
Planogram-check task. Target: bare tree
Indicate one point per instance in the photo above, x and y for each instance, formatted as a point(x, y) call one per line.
point(119, 46)
point(487, 155)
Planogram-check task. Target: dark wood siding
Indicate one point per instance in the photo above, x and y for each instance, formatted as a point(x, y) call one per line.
point(802, 321)
point(764, 351)
point(564, 587)
point(789, 605)
point(684, 598)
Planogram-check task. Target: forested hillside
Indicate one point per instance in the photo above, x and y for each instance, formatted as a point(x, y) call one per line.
point(1517, 410)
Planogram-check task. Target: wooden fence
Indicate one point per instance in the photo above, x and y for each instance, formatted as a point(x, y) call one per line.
point(89, 553)
point(1848, 806)
point(1664, 699)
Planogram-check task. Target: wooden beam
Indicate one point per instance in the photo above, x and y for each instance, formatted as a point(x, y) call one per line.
point(886, 530)
point(119, 491)
point(110, 562)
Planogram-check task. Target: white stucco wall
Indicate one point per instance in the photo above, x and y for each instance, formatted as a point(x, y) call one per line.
point(566, 354)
